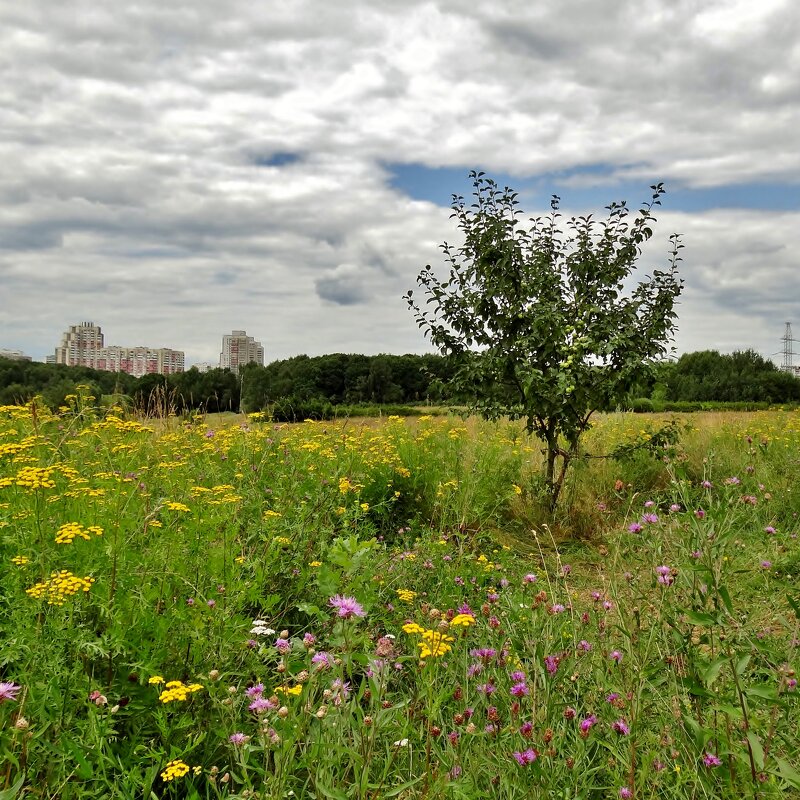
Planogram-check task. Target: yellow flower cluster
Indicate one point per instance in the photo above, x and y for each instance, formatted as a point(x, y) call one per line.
point(35, 478)
point(292, 690)
point(433, 643)
point(20, 561)
point(462, 619)
point(216, 495)
point(72, 530)
point(406, 595)
point(172, 506)
point(60, 585)
point(175, 769)
point(282, 540)
point(178, 690)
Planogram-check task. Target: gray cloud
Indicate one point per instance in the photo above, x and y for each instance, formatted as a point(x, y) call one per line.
point(174, 171)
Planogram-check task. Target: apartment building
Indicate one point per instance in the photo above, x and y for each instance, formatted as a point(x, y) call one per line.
point(239, 349)
point(14, 355)
point(83, 345)
point(79, 345)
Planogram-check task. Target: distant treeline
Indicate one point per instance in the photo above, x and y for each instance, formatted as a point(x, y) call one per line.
point(743, 378)
point(322, 386)
point(298, 387)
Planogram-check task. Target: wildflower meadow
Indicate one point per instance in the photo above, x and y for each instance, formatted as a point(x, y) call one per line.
point(200, 608)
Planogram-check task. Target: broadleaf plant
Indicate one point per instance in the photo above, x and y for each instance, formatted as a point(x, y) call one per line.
point(541, 321)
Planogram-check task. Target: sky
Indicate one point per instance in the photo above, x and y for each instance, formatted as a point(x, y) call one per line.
point(174, 171)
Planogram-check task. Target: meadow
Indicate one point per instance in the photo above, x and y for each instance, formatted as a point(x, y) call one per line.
point(381, 608)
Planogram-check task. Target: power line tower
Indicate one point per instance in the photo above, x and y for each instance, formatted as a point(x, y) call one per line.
point(788, 350)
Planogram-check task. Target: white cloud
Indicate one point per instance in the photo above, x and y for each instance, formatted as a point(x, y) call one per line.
point(135, 139)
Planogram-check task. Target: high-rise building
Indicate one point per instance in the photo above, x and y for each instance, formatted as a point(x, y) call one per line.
point(79, 345)
point(14, 355)
point(239, 349)
point(82, 345)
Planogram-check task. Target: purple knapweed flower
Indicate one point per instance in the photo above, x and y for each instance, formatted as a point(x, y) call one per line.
point(556, 608)
point(665, 576)
point(530, 578)
point(309, 640)
point(517, 676)
point(674, 508)
point(566, 569)
point(8, 691)
point(649, 504)
point(346, 607)
point(625, 793)
point(255, 691)
point(615, 655)
point(621, 727)
point(649, 519)
point(551, 663)
point(283, 646)
point(520, 690)
point(584, 646)
point(525, 757)
point(707, 484)
point(526, 729)
point(322, 660)
point(766, 564)
point(710, 760)
point(586, 724)
point(635, 527)
point(700, 514)
point(262, 704)
point(769, 530)
point(732, 481)
point(697, 553)
point(238, 738)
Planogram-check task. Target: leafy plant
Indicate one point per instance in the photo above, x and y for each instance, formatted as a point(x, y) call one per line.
point(538, 320)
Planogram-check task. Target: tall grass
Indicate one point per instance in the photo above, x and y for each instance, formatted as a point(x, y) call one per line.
point(642, 643)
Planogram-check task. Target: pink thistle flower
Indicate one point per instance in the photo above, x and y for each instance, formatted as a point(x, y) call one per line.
point(525, 757)
point(262, 704)
point(8, 691)
point(620, 727)
point(635, 527)
point(346, 607)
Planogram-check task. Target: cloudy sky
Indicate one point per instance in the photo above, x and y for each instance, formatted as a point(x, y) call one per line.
point(174, 170)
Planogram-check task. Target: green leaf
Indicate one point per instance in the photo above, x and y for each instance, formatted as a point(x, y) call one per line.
point(741, 665)
point(698, 733)
point(711, 672)
point(326, 791)
point(11, 792)
point(764, 692)
point(788, 772)
point(795, 605)
point(756, 749)
point(726, 599)
point(700, 618)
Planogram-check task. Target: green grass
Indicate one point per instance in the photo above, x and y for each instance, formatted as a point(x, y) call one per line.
point(642, 657)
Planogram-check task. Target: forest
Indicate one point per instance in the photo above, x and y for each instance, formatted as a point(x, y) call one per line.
point(317, 387)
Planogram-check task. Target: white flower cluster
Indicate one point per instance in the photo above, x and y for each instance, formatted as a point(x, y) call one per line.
point(260, 628)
